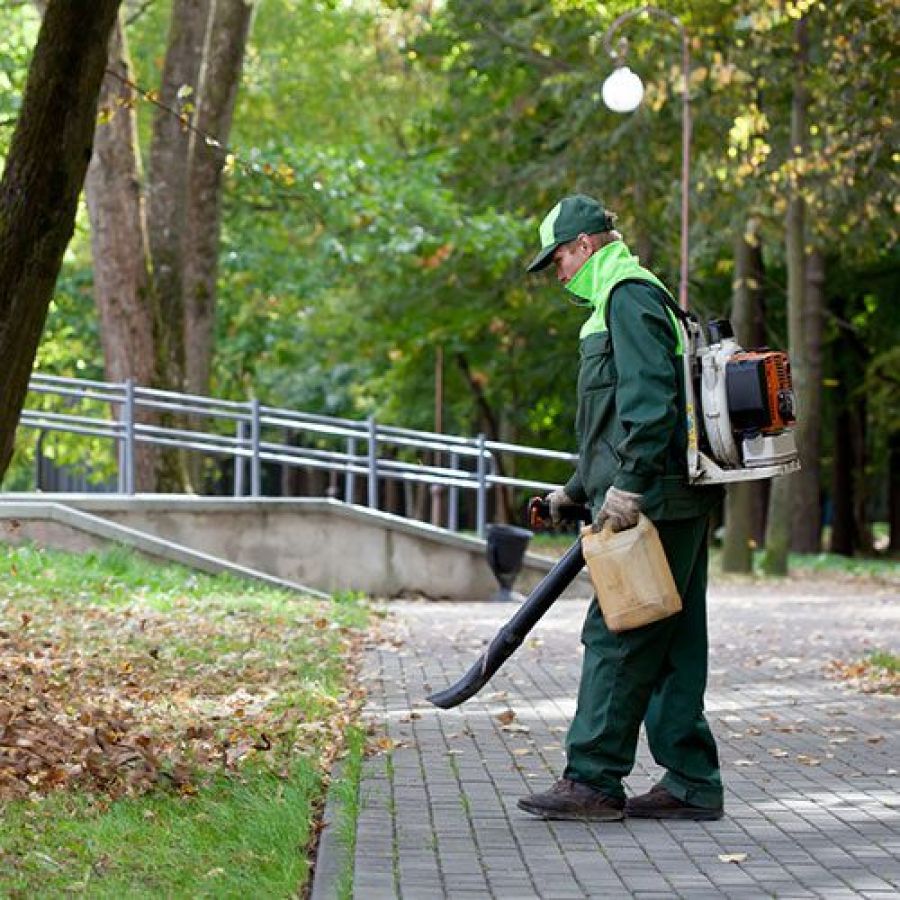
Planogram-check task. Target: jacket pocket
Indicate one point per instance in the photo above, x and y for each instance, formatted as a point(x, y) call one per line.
point(597, 370)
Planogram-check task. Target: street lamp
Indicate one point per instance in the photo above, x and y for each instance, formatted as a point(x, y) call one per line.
point(623, 91)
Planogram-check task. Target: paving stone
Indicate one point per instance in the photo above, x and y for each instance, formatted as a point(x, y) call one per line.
point(443, 806)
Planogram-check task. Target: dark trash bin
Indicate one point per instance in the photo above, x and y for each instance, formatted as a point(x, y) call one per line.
point(506, 546)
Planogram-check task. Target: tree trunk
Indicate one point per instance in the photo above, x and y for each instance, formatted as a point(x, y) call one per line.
point(167, 185)
point(45, 170)
point(806, 506)
point(118, 241)
point(489, 424)
point(744, 507)
point(848, 494)
point(219, 79)
point(894, 493)
point(844, 536)
point(643, 243)
point(781, 499)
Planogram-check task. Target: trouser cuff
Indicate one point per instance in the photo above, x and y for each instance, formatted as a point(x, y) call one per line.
point(706, 796)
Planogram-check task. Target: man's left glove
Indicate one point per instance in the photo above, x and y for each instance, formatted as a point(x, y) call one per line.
point(620, 508)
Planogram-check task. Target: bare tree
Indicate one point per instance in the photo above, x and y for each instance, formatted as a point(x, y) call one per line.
point(45, 171)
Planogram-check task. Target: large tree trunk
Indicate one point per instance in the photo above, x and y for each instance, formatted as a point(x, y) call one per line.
point(167, 185)
point(45, 170)
point(118, 240)
point(781, 499)
point(744, 502)
point(847, 532)
point(227, 39)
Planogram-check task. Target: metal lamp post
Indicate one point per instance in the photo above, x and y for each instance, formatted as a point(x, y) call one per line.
point(623, 91)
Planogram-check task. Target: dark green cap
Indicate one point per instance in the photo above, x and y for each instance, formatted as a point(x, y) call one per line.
point(578, 214)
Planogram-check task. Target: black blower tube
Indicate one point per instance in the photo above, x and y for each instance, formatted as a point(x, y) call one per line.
point(510, 637)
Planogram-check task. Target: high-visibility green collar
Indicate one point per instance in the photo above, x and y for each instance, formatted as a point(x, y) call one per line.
point(595, 280)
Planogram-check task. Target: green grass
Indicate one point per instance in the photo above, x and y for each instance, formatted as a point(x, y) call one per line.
point(233, 839)
point(347, 796)
point(174, 649)
point(883, 660)
point(835, 564)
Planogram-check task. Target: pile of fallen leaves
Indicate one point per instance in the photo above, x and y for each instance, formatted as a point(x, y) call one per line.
point(866, 675)
point(116, 701)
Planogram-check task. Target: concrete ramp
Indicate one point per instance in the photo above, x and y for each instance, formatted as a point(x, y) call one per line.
point(61, 527)
point(308, 544)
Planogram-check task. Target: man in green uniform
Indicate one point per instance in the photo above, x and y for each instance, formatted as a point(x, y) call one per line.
point(632, 439)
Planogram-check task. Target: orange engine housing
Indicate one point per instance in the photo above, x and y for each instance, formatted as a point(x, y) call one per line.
point(760, 391)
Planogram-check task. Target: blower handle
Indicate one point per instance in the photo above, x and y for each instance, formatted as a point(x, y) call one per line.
point(539, 514)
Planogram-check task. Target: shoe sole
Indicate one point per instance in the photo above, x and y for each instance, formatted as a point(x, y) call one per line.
point(606, 816)
point(690, 815)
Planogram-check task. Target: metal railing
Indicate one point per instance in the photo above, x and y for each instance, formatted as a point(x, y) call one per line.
point(247, 432)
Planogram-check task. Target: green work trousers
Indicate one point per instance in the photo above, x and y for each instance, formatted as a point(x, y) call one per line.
point(655, 674)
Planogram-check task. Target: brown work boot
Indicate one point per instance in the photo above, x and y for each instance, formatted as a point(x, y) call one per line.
point(569, 799)
point(659, 803)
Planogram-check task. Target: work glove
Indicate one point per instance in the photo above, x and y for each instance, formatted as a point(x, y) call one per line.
point(555, 499)
point(620, 508)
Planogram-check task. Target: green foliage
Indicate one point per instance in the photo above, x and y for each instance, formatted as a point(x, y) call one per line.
point(16, 42)
point(391, 160)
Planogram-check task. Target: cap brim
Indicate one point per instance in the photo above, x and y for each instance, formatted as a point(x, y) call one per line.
point(543, 259)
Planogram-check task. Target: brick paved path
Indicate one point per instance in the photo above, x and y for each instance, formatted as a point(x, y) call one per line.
point(810, 764)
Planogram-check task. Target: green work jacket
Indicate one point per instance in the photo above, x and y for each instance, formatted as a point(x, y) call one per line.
point(631, 422)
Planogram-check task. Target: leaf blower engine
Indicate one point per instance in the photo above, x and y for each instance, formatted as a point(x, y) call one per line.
point(740, 407)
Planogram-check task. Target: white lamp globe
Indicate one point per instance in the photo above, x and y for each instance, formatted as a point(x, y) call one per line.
point(623, 91)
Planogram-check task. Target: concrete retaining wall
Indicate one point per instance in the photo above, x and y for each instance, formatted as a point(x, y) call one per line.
point(322, 544)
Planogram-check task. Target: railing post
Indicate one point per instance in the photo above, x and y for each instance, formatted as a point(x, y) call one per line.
point(453, 499)
point(255, 473)
point(373, 463)
point(128, 442)
point(481, 517)
point(121, 437)
point(350, 477)
point(239, 460)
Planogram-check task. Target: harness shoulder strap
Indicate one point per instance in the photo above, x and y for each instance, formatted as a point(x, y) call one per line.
point(682, 314)
point(681, 319)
